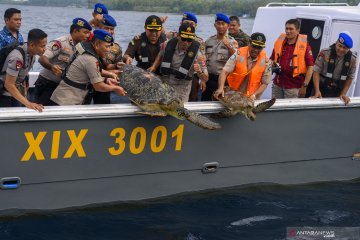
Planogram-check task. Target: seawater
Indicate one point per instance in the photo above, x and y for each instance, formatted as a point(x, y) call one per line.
point(261, 212)
point(56, 21)
point(257, 212)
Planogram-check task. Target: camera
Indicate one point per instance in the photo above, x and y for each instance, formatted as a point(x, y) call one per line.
point(276, 68)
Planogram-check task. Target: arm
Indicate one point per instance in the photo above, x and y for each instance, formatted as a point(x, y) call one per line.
point(260, 91)
point(11, 88)
point(346, 87)
point(308, 75)
point(45, 62)
point(103, 87)
point(159, 57)
point(221, 83)
point(130, 51)
point(316, 81)
point(156, 63)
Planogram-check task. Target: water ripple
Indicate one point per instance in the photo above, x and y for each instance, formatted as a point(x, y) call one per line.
point(249, 221)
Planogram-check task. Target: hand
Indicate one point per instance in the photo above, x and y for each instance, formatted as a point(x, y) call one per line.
point(218, 92)
point(35, 106)
point(345, 98)
point(197, 68)
point(317, 95)
point(56, 70)
point(113, 75)
point(119, 66)
point(164, 19)
point(226, 42)
point(302, 92)
point(253, 97)
point(202, 86)
point(113, 82)
point(151, 69)
point(120, 91)
point(129, 60)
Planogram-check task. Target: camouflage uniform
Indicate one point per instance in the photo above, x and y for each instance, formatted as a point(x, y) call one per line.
point(242, 38)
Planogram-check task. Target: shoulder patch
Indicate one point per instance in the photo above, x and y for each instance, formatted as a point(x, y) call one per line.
point(97, 66)
point(56, 45)
point(19, 65)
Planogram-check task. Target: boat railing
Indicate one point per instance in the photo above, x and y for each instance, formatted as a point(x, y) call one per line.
point(282, 4)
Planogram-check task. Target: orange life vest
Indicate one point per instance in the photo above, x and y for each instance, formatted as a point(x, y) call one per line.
point(298, 60)
point(236, 78)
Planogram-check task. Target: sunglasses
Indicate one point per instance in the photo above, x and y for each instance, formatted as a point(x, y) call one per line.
point(187, 39)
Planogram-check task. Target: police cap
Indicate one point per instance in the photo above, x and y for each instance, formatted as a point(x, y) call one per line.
point(153, 23)
point(258, 39)
point(103, 35)
point(345, 39)
point(100, 9)
point(222, 17)
point(187, 31)
point(109, 20)
point(81, 23)
point(189, 16)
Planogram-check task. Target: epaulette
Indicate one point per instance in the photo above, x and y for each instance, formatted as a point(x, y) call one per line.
point(137, 37)
point(199, 39)
point(213, 36)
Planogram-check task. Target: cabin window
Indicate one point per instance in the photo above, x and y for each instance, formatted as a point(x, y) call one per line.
point(316, 32)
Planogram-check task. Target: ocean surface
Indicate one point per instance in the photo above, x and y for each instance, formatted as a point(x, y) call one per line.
point(257, 212)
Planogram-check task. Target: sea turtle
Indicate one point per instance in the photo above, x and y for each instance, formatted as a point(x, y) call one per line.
point(237, 102)
point(156, 98)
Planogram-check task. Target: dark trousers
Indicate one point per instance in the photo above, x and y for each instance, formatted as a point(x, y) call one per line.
point(328, 90)
point(101, 97)
point(6, 101)
point(44, 88)
point(193, 97)
point(211, 86)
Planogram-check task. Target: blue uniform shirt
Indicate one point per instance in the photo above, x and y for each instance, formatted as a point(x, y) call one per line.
point(6, 38)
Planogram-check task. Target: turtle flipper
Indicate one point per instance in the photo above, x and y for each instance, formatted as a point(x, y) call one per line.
point(154, 113)
point(197, 119)
point(264, 105)
point(226, 113)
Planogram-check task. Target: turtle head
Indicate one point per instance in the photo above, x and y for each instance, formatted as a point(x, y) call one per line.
point(249, 114)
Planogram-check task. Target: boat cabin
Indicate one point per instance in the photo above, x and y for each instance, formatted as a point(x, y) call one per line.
point(321, 22)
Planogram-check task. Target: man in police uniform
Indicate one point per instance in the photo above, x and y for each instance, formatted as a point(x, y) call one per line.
point(57, 56)
point(112, 60)
point(218, 50)
point(99, 10)
point(10, 33)
point(334, 69)
point(239, 35)
point(191, 19)
point(14, 73)
point(84, 73)
point(145, 47)
point(180, 59)
point(249, 69)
